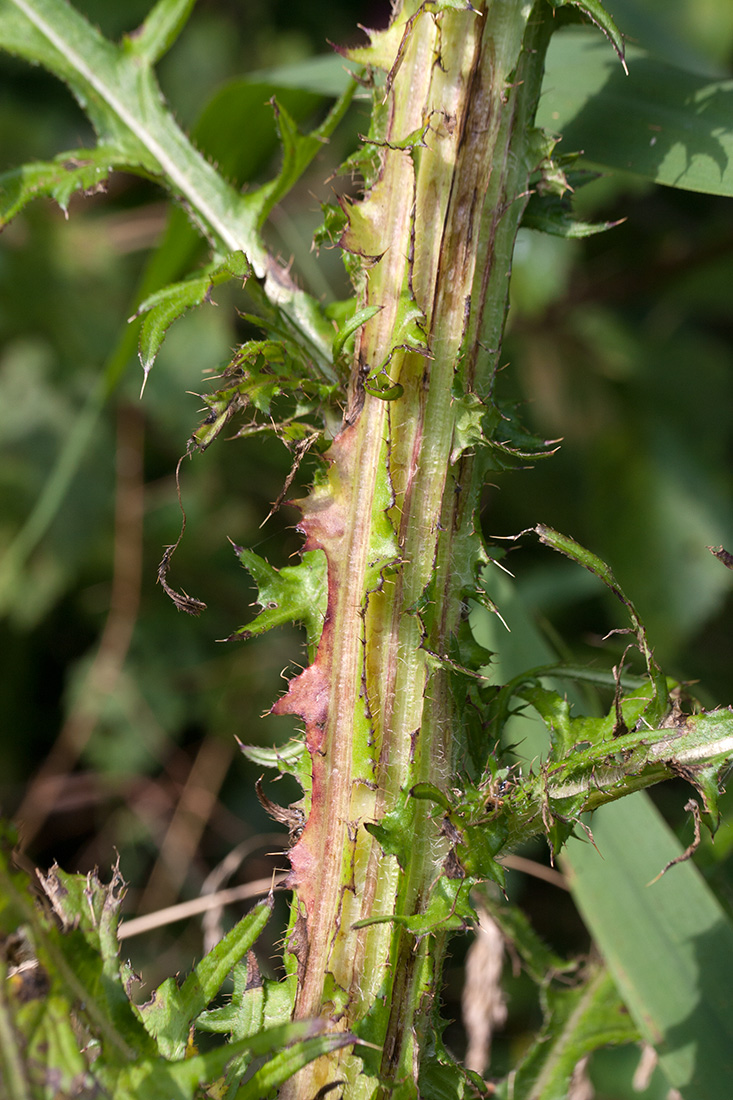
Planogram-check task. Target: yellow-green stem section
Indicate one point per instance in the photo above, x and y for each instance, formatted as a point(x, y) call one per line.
point(436, 230)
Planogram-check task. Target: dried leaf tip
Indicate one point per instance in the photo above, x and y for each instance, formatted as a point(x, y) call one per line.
point(722, 555)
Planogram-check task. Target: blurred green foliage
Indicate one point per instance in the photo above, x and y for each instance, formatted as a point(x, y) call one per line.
point(621, 345)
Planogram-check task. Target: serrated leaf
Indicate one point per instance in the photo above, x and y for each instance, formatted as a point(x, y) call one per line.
point(554, 215)
point(596, 11)
point(78, 171)
point(256, 1004)
point(82, 901)
point(295, 593)
point(169, 1014)
point(442, 1078)
point(118, 90)
point(287, 1048)
point(259, 372)
point(126, 109)
point(57, 36)
point(252, 1007)
point(163, 307)
point(298, 150)
point(72, 957)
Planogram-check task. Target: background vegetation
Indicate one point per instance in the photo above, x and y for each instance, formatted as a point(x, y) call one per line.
point(620, 344)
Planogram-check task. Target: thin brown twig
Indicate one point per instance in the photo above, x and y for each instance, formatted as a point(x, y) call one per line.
point(537, 870)
point(211, 925)
point(192, 908)
point(195, 806)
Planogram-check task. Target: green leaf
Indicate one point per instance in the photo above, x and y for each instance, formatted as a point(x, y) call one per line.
point(553, 214)
point(124, 103)
point(669, 945)
point(287, 1062)
point(298, 151)
point(82, 901)
point(55, 35)
point(295, 593)
point(661, 123)
point(77, 961)
point(169, 1014)
point(255, 1003)
point(441, 1077)
point(166, 305)
point(597, 760)
point(126, 108)
point(350, 326)
point(161, 28)
point(596, 11)
point(287, 1048)
point(80, 170)
point(577, 1022)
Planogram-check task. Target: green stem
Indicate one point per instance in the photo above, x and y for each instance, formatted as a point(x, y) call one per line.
point(440, 219)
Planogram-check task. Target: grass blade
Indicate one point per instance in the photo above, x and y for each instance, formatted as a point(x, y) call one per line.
point(668, 945)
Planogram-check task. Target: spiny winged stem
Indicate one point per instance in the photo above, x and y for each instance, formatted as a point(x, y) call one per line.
point(395, 517)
